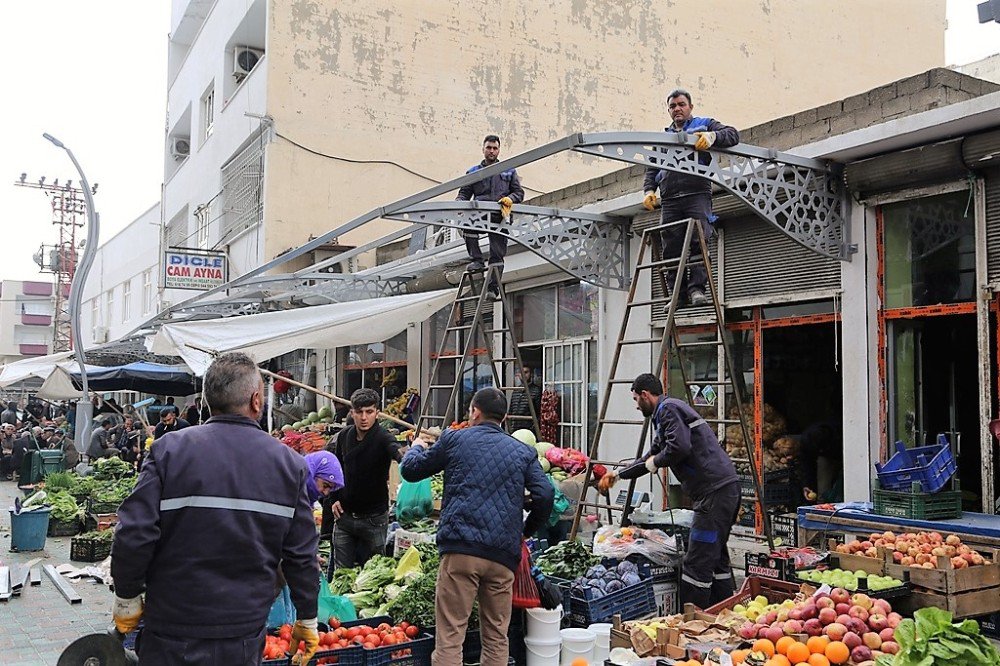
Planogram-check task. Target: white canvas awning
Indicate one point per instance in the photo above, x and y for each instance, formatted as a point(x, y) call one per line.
point(40, 366)
point(264, 336)
point(59, 386)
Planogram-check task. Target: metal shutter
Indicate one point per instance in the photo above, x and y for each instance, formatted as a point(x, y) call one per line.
point(762, 261)
point(993, 224)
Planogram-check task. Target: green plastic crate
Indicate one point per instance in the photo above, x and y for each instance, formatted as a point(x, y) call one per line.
point(919, 505)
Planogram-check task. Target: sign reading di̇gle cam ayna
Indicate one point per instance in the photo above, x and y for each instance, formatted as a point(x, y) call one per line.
point(191, 269)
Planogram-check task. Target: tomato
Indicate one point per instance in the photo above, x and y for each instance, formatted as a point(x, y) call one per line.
point(285, 632)
point(334, 623)
point(384, 627)
point(357, 640)
point(411, 631)
point(403, 625)
point(343, 643)
point(353, 632)
point(400, 636)
point(389, 640)
point(374, 640)
point(369, 646)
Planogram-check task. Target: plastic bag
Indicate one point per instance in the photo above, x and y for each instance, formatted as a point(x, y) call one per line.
point(559, 506)
point(409, 564)
point(620, 542)
point(282, 610)
point(332, 605)
point(414, 501)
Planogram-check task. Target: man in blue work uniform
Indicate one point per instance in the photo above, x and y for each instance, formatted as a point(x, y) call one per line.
point(685, 443)
point(215, 510)
point(503, 188)
point(684, 196)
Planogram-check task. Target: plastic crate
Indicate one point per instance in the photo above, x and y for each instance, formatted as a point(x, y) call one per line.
point(85, 550)
point(778, 487)
point(472, 646)
point(94, 506)
point(917, 504)
point(931, 466)
point(420, 648)
point(631, 603)
point(61, 528)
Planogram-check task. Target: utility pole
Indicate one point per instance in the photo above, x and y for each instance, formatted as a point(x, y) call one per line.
point(69, 209)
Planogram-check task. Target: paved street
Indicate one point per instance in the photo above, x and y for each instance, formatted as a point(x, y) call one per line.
point(35, 627)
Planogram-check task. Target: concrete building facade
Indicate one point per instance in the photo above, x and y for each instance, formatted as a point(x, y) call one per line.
point(27, 310)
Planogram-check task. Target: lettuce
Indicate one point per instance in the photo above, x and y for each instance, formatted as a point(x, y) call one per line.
point(931, 638)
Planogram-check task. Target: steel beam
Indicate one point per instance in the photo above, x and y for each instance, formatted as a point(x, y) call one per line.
point(63, 585)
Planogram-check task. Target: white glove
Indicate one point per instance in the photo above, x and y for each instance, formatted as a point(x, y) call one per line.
point(127, 613)
point(705, 140)
point(651, 464)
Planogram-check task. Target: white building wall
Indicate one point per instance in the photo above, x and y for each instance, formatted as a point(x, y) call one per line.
point(15, 329)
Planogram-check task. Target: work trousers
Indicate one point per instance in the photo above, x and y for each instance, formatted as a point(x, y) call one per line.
point(356, 538)
point(698, 206)
point(461, 580)
point(157, 649)
point(498, 246)
point(706, 577)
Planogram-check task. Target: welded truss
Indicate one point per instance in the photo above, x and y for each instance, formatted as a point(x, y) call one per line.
point(589, 246)
point(802, 197)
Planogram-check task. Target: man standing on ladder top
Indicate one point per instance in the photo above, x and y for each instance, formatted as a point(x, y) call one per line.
point(684, 196)
point(685, 443)
point(503, 188)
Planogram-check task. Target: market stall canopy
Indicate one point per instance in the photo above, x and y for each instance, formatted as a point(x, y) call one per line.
point(264, 336)
point(141, 376)
point(41, 367)
point(59, 386)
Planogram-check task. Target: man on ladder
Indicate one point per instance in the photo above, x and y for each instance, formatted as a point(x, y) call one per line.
point(687, 196)
point(684, 442)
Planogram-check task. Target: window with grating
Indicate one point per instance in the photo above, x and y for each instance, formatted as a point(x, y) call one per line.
point(993, 224)
point(177, 231)
point(243, 190)
point(760, 260)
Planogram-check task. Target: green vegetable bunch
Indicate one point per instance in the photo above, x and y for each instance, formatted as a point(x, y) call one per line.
point(97, 537)
point(112, 468)
point(429, 557)
point(60, 481)
point(931, 639)
point(64, 507)
point(343, 580)
point(569, 560)
point(415, 604)
point(378, 572)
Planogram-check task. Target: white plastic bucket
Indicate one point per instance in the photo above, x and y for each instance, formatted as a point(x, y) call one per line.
point(602, 647)
point(577, 643)
point(541, 652)
point(543, 624)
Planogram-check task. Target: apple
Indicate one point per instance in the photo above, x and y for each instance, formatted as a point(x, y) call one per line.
point(843, 609)
point(859, 612)
point(890, 647)
point(852, 640)
point(795, 614)
point(872, 640)
point(894, 619)
point(878, 622)
point(773, 634)
point(857, 626)
point(907, 561)
point(792, 627)
point(862, 600)
point(835, 631)
point(860, 653)
point(882, 605)
point(825, 602)
point(813, 627)
point(771, 617)
point(748, 630)
point(827, 616)
point(782, 614)
point(897, 556)
point(844, 620)
point(808, 611)
point(840, 595)
point(953, 540)
point(887, 634)
point(762, 630)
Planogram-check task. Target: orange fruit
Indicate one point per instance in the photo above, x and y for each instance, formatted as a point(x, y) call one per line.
point(837, 653)
point(778, 660)
point(817, 644)
point(797, 653)
point(738, 656)
point(818, 659)
point(765, 646)
point(781, 647)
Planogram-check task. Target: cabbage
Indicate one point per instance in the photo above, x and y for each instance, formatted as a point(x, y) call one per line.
point(524, 436)
point(542, 447)
point(546, 465)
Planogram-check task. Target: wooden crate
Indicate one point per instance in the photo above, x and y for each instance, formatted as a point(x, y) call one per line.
point(960, 605)
point(950, 581)
point(852, 562)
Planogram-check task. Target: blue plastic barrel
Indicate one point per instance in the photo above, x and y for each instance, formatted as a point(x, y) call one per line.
point(28, 529)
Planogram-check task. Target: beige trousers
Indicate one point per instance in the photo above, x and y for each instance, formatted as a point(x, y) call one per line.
point(461, 580)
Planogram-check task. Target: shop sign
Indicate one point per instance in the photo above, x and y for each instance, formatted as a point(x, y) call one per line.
point(194, 269)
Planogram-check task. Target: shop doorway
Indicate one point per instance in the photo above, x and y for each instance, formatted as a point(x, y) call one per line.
point(934, 389)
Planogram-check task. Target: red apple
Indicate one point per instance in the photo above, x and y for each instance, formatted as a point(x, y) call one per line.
point(844, 620)
point(843, 609)
point(748, 631)
point(825, 602)
point(894, 619)
point(890, 647)
point(827, 616)
point(878, 622)
point(886, 634)
point(861, 653)
point(862, 600)
point(872, 640)
point(762, 630)
point(857, 626)
point(773, 634)
point(771, 617)
point(859, 612)
point(852, 640)
point(897, 556)
point(792, 627)
point(813, 627)
point(840, 595)
point(882, 605)
point(835, 631)
point(795, 614)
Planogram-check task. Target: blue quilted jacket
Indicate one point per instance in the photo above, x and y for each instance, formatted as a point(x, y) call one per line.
point(486, 472)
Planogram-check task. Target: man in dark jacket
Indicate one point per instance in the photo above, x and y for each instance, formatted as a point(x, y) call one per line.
point(9, 415)
point(686, 196)
point(361, 508)
point(685, 443)
point(486, 472)
point(169, 422)
point(215, 510)
point(503, 188)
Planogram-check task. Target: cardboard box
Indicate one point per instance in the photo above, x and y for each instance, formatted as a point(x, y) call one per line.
point(668, 641)
point(404, 539)
point(667, 598)
point(766, 565)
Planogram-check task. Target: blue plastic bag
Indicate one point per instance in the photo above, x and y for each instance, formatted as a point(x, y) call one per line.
point(282, 610)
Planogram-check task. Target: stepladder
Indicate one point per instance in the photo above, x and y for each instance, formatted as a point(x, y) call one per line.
point(479, 331)
point(718, 397)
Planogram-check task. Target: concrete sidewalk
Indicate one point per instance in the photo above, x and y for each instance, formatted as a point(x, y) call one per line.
point(35, 627)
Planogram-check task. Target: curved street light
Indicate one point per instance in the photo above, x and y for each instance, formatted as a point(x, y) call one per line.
point(84, 407)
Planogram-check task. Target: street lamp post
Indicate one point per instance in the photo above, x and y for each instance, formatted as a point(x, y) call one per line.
point(84, 408)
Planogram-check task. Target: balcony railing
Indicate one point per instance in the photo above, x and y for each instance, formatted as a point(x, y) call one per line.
point(34, 350)
point(36, 319)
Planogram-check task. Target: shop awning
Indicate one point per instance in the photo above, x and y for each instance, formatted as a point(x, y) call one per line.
point(41, 367)
point(272, 334)
point(141, 376)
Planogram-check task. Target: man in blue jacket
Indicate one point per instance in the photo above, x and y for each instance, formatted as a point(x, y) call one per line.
point(685, 196)
point(486, 472)
point(503, 188)
point(215, 511)
point(685, 443)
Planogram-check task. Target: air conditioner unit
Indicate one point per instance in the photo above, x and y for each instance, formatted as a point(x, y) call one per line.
point(244, 60)
point(180, 147)
point(100, 334)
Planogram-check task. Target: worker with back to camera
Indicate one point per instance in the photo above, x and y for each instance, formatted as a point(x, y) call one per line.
point(686, 443)
point(684, 196)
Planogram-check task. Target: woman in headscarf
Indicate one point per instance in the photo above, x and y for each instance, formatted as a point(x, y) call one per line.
point(325, 475)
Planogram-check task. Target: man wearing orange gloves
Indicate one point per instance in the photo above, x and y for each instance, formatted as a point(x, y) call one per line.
point(685, 443)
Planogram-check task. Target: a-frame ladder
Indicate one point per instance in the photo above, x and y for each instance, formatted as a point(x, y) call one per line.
point(670, 340)
point(464, 331)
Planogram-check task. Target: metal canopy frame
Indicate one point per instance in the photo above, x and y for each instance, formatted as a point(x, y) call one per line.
point(803, 197)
